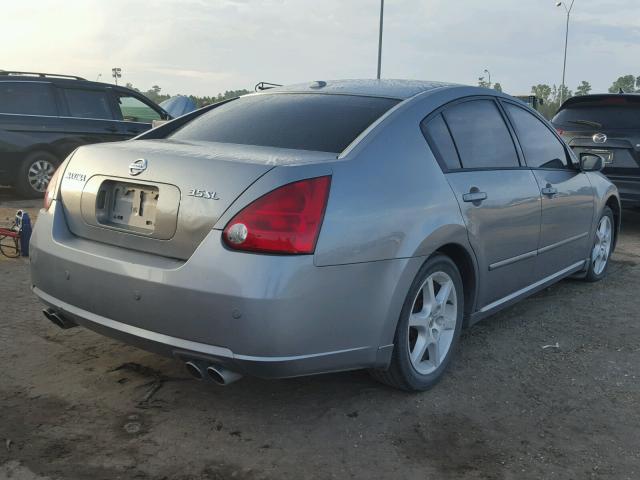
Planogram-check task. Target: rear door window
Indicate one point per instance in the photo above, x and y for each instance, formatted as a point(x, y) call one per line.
point(88, 103)
point(133, 109)
point(541, 148)
point(437, 134)
point(27, 98)
point(481, 135)
point(319, 122)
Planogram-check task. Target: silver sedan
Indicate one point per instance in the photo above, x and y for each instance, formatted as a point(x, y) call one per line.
point(321, 227)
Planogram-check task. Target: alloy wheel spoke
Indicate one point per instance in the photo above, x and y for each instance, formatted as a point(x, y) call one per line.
point(419, 319)
point(434, 353)
point(444, 293)
point(419, 348)
point(450, 317)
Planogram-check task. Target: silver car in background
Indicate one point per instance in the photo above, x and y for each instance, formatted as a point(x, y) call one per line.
point(321, 227)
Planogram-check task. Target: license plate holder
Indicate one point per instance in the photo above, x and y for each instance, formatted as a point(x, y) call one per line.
point(127, 206)
point(607, 155)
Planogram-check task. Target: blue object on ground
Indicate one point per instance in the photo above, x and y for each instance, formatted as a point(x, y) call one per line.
point(23, 221)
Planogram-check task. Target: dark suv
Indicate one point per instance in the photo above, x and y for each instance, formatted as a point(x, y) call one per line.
point(44, 117)
point(608, 125)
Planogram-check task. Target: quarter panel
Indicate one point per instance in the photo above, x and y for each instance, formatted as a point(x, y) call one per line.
point(388, 199)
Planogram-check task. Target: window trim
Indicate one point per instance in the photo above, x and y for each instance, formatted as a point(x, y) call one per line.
point(569, 158)
point(433, 145)
point(493, 98)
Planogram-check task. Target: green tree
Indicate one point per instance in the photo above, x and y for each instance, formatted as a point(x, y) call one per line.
point(542, 91)
point(154, 94)
point(550, 97)
point(626, 83)
point(497, 86)
point(584, 88)
point(561, 93)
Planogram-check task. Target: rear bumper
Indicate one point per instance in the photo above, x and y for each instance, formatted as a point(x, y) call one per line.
point(264, 315)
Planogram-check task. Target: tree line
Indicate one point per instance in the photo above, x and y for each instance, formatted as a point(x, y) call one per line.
point(155, 94)
point(552, 94)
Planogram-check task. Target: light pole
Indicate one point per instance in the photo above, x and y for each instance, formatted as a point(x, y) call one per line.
point(116, 73)
point(489, 75)
point(566, 41)
point(380, 39)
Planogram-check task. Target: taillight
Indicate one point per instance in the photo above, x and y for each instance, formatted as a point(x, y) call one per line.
point(52, 188)
point(560, 131)
point(285, 220)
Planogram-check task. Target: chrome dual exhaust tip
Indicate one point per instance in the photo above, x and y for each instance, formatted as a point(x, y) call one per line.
point(58, 319)
point(221, 375)
point(217, 374)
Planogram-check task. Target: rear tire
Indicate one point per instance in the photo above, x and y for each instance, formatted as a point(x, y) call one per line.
point(35, 173)
point(602, 247)
point(429, 328)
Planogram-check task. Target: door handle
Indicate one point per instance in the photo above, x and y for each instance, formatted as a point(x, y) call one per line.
point(549, 190)
point(474, 196)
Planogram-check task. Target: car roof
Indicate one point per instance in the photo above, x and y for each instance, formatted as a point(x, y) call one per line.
point(389, 88)
point(57, 80)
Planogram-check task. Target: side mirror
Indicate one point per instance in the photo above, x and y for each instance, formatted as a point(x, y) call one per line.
point(590, 162)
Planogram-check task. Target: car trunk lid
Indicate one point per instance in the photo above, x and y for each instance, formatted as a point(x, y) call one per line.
point(161, 196)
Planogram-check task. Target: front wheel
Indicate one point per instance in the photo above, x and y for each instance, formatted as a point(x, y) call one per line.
point(428, 329)
point(35, 174)
point(602, 246)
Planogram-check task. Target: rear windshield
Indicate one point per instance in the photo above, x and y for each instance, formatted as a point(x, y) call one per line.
point(319, 122)
point(611, 112)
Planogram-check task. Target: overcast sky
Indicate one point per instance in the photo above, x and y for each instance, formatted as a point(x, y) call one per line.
point(208, 46)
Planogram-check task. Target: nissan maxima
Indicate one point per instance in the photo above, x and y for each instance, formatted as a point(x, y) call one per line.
point(321, 227)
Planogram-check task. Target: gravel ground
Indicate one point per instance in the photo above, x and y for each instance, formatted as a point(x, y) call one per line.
point(75, 405)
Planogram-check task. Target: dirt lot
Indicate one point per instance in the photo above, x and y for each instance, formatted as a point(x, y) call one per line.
point(75, 405)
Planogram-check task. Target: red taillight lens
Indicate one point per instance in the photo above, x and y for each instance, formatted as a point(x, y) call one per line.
point(286, 220)
point(52, 189)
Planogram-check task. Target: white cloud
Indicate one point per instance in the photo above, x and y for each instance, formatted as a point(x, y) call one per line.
point(207, 46)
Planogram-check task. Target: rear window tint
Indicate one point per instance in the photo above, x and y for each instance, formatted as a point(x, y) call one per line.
point(27, 98)
point(437, 134)
point(481, 135)
point(608, 112)
point(319, 122)
point(88, 103)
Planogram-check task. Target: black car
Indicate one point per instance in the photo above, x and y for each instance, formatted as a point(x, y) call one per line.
point(608, 125)
point(44, 117)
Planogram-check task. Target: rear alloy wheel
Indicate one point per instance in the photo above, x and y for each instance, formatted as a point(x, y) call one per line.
point(35, 174)
point(428, 329)
point(603, 244)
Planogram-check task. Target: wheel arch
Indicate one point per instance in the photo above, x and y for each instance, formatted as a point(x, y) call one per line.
point(467, 267)
point(46, 148)
point(614, 204)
